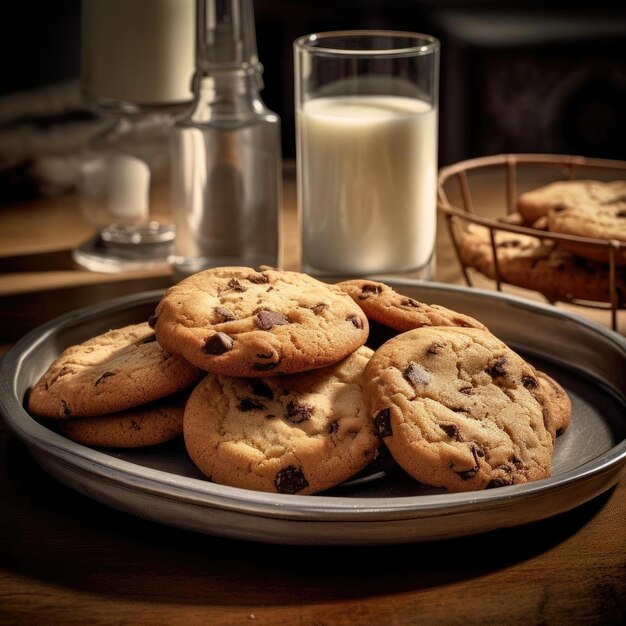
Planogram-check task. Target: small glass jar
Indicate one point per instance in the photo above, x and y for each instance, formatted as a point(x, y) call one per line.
point(124, 194)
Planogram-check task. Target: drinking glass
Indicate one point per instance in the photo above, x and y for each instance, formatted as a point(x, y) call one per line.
point(367, 118)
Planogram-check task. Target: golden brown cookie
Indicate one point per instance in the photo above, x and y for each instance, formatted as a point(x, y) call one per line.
point(528, 262)
point(117, 370)
point(383, 304)
point(584, 208)
point(240, 322)
point(301, 433)
point(537, 203)
point(147, 425)
point(459, 409)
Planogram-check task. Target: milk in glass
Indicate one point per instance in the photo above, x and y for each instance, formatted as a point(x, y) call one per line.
point(367, 184)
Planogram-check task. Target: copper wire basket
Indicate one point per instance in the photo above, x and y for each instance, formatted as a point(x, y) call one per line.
point(517, 173)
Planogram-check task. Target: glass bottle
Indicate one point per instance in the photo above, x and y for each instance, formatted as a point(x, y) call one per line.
point(226, 153)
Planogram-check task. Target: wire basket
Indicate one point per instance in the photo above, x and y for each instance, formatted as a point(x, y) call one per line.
point(513, 174)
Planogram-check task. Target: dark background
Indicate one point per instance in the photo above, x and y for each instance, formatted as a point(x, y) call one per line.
point(515, 76)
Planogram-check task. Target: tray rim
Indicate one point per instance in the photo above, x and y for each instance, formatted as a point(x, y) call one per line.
point(162, 484)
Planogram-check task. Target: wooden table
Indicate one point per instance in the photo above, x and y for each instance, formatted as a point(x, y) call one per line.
point(65, 559)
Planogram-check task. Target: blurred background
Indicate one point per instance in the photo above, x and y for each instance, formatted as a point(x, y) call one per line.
point(516, 76)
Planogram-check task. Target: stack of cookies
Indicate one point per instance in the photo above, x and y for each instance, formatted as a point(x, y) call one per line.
point(567, 269)
point(276, 384)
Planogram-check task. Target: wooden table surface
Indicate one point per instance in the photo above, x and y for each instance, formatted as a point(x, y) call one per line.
point(66, 559)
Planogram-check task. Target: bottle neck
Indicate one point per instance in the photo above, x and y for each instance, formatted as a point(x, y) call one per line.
point(227, 95)
point(227, 82)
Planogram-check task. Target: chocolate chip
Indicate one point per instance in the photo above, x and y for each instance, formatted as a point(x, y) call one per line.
point(260, 388)
point(249, 404)
point(620, 214)
point(497, 369)
point(416, 375)
point(498, 482)
point(470, 473)
point(258, 279)
point(369, 290)
point(103, 376)
point(356, 321)
point(223, 314)
point(467, 474)
point(409, 302)
point(467, 391)
point(135, 425)
point(434, 348)
point(152, 320)
point(235, 285)
point(529, 382)
point(452, 430)
point(297, 412)
point(218, 344)
point(66, 409)
point(318, 308)
point(266, 320)
point(149, 339)
point(333, 427)
point(290, 480)
point(265, 367)
point(269, 416)
point(382, 421)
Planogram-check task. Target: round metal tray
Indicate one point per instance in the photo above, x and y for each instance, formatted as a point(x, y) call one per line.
point(381, 506)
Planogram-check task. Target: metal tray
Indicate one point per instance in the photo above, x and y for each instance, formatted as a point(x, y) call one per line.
point(381, 506)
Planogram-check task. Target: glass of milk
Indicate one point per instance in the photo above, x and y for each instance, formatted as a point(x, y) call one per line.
point(367, 117)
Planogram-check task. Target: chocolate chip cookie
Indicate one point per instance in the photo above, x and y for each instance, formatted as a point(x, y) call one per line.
point(537, 203)
point(294, 434)
point(584, 208)
point(531, 263)
point(147, 425)
point(117, 370)
point(240, 322)
point(383, 304)
point(459, 409)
